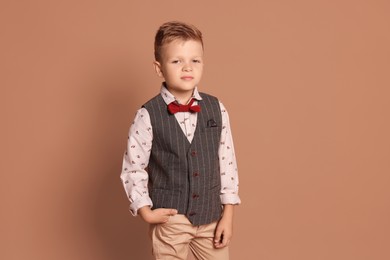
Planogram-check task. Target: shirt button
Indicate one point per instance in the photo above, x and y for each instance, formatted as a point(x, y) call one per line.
point(193, 153)
point(192, 214)
point(195, 174)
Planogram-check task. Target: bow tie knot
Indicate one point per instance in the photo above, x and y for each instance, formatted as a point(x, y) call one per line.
point(174, 107)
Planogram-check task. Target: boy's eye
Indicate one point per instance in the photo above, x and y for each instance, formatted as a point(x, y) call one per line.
point(176, 61)
point(196, 61)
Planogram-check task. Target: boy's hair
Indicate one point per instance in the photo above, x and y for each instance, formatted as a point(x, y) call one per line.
point(174, 30)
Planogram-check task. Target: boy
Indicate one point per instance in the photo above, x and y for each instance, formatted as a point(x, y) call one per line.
point(179, 169)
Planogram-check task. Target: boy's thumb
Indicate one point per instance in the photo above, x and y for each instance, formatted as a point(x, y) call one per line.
point(170, 212)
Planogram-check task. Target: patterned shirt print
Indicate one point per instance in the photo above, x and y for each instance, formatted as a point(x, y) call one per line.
point(134, 175)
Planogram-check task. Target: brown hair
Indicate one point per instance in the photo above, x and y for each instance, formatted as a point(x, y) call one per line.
point(171, 31)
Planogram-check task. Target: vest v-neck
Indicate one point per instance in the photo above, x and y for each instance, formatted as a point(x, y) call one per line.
point(177, 123)
point(178, 127)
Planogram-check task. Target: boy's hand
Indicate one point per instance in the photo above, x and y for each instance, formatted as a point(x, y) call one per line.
point(224, 230)
point(156, 216)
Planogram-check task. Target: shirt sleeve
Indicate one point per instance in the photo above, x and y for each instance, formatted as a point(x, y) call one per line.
point(136, 157)
point(228, 164)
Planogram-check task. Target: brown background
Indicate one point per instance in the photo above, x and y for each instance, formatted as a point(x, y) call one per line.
point(307, 87)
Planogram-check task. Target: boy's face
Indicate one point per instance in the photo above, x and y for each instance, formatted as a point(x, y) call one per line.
point(181, 66)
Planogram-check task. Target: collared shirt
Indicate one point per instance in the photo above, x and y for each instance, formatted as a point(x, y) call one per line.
point(139, 144)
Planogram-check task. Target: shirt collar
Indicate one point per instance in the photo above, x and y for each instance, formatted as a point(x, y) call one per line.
point(169, 98)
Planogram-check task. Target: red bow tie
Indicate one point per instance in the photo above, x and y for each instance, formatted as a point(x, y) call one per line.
point(174, 107)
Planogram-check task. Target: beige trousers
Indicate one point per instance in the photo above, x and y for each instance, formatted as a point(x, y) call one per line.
point(173, 239)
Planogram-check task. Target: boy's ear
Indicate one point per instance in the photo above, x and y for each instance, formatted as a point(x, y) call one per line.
point(157, 68)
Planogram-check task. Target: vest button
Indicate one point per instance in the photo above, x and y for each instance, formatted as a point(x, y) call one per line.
point(194, 196)
point(195, 174)
point(192, 214)
point(193, 153)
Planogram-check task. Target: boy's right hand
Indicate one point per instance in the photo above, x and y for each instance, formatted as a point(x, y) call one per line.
point(156, 216)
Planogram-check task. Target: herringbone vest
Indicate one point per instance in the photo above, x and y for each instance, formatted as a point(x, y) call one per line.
point(183, 175)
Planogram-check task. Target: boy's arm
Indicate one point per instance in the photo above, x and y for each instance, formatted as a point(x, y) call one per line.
point(229, 183)
point(134, 176)
point(136, 157)
point(227, 163)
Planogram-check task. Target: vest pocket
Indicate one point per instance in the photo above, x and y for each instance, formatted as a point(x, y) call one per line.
point(215, 188)
point(163, 198)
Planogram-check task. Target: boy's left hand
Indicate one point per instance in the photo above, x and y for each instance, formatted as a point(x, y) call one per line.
point(224, 230)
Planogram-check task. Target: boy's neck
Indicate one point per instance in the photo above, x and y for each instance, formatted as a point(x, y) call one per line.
point(183, 97)
point(183, 100)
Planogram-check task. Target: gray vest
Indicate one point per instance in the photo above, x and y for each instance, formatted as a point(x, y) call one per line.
point(183, 175)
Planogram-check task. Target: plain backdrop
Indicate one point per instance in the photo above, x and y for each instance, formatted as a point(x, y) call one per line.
point(306, 84)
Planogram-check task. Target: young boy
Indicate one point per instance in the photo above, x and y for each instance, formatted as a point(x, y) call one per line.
point(179, 169)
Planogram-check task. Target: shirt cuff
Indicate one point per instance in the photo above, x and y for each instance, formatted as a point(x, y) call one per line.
point(233, 199)
point(141, 202)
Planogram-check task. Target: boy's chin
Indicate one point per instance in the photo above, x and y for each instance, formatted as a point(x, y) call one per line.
point(185, 88)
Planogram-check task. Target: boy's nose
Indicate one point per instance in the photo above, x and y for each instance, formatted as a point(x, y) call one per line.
point(187, 67)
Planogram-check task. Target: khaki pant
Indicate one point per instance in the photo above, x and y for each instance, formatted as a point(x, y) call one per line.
point(173, 239)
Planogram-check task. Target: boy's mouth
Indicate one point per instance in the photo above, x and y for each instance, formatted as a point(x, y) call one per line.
point(187, 78)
